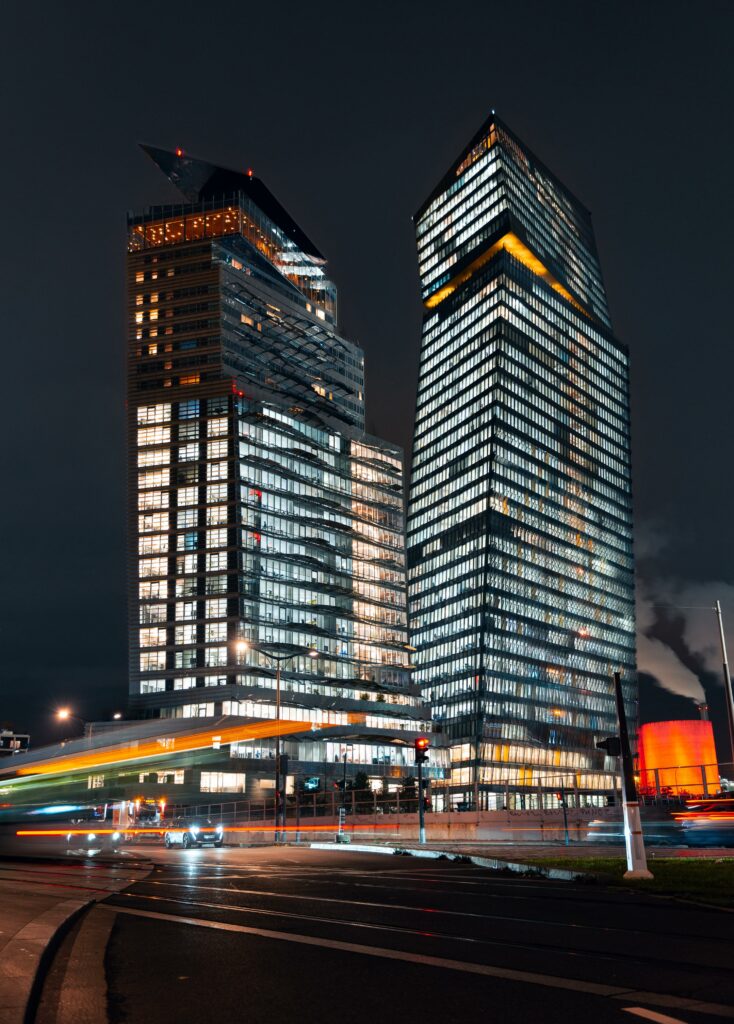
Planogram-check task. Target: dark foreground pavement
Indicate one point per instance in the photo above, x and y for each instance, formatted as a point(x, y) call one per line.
point(307, 935)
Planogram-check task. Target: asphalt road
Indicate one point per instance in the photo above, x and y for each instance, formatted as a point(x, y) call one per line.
point(304, 935)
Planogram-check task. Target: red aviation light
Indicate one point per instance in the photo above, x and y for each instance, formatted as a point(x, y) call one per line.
point(249, 172)
point(179, 151)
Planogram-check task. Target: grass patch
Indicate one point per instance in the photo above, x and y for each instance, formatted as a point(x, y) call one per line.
point(709, 881)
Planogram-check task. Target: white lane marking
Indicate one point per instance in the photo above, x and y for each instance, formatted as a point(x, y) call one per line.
point(529, 977)
point(660, 1018)
point(434, 911)
point(373, 926)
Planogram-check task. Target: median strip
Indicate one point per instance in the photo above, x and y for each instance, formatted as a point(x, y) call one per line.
point(491, 863)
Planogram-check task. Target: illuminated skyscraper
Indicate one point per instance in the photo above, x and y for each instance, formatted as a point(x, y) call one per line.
point(263, 520)
point(521, 591)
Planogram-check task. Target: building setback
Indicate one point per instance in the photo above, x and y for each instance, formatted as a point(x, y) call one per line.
point(263, 520)
point(521, 589)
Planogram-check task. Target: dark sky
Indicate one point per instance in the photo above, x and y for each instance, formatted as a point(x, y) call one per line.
point(350, 113)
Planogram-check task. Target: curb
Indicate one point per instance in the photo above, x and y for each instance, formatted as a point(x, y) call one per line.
point(557, 874)
point(27, 954)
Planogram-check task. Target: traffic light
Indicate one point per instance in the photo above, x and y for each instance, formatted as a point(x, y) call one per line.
point(611, 744)
point(422, 744)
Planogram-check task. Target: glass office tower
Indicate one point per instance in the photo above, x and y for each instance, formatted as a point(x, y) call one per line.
point(521, 589)
point(260, 511)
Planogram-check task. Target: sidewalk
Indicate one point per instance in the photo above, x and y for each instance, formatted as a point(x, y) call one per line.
point(38, 902)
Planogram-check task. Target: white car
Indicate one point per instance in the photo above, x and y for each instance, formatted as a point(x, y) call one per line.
point(191, 832)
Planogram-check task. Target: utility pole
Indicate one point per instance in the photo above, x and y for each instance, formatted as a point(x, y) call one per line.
point(727, 679)
point(633, 838)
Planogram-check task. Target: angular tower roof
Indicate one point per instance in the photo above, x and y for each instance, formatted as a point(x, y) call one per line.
point(197, 180)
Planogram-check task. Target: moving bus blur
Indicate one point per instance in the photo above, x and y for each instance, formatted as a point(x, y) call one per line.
point(707, 821)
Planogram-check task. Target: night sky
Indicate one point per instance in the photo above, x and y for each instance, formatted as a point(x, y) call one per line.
point(351, 113)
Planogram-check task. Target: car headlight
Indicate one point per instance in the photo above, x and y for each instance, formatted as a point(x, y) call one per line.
point(115, 836)
point(194, 830)
point(91, 837)
point(219, 829)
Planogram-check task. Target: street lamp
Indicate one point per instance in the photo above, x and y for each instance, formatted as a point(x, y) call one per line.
point(65, 715)
point(242, 646)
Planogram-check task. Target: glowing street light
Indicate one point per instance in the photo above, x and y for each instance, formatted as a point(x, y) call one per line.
point(64, 715)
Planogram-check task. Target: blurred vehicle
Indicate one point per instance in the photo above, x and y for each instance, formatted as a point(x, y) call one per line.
point(190, 832)
point(661, 831)
point(89, 844)
point(707, 821)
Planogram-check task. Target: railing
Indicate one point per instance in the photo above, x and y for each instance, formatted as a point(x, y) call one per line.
point(657, 787)
point(683, 782)
point(299, 806)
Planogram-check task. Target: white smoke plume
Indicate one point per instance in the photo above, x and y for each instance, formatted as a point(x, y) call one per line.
point(693, 604)
point(658, 660)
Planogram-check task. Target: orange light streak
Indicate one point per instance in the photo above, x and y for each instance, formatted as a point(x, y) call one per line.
point(168, 745)
point(266, 827)
point(269, 826)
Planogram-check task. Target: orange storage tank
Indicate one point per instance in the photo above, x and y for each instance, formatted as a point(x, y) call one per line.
point(682, 752)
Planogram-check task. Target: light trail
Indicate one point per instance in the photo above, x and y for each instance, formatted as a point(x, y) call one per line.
point(159, 831)
point(211, 738)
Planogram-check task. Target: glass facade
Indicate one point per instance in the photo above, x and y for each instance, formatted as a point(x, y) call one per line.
point(519, 534)
point(260, 510)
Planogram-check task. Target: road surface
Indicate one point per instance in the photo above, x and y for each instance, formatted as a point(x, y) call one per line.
point(304, 935)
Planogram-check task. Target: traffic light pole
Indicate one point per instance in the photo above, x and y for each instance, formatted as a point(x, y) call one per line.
point(421, 755)
point(633, 839)
point(421, 808)
point(565, 812)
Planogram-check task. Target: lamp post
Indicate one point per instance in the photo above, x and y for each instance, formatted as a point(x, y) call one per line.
point(65, 715)
point(242, 647)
